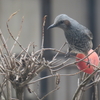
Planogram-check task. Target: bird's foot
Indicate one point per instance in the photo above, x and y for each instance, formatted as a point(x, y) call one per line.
point(88, 62)
point(68, 55)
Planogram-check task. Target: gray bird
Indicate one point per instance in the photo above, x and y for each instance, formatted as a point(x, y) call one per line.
point(78, 36)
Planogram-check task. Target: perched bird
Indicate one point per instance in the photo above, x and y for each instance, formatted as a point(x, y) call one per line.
point(79, 38)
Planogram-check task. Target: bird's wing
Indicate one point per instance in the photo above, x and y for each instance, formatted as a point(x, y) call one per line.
point(89, 34)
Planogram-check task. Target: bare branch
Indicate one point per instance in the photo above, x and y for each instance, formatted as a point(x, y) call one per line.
point(82, 85)
point(59, 50)
point(17, 35)
point(12, 15)
point(4, 42)
point(50, 93)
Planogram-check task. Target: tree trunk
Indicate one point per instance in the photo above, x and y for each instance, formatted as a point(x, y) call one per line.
point(19, 93)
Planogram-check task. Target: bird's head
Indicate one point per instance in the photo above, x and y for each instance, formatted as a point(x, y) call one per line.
point(62, 21)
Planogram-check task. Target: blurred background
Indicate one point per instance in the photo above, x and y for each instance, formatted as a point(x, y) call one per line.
point(86, 12)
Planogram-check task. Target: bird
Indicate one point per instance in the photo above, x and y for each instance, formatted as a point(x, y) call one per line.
point(79, 37)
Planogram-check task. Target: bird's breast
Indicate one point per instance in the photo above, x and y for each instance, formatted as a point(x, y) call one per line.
point(77, 39)
point(73, 37)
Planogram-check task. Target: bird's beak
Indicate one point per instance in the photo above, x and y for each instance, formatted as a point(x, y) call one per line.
point(51, 26)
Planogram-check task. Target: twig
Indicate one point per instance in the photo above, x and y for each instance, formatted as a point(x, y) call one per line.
point(96, 90)
point(12, 15)
point(50, 93)
point(23, 51)
point(7, 61)
point(82, 84)
point(30, 91)
point(72, 63)
point(42, 45)
point(54, 75)
point(4, 43)
point(17, 35)
point(56, 61)
point(1, 86)
point(45, 49)
point(11, 33)
point(14, 38)
point(44, 21)
point(62, 64)
point(36, 95)
point(58, 52)
point(94, 82)
point(27, 50)
point(88, 54)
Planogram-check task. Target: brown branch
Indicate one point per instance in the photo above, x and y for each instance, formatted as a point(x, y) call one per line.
point(82, 85)
point(4, 42)
point(50, 93)
point(42, 45)
point(12, 15)
point(17, 35)
point(57, 53)
point(55, 75)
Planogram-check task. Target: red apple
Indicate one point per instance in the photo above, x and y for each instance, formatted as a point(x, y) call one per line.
point(86, 67)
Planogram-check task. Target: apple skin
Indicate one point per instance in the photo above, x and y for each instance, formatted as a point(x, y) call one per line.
point(87, 68)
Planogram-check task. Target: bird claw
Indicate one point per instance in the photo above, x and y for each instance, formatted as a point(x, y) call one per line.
point(68, 55)
point(88, 62)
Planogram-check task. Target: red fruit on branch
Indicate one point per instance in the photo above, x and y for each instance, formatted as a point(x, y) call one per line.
point(85, 64)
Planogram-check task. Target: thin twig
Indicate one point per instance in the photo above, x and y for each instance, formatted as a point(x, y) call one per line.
point(1, 86)
point(83, 84)
point(62, 64)
point(49, 93)
point(14, 38)
point(88, 54)
point(17, 35)
point(54, 75)
point(4, 42)
point(27, 50)
point(42, 45)
point(12, 15)
point(36, 95)
point(96, 90)
point(97, 79)
point(59, 50)
point(44, 21)
point(45, 49)
point(23, 51)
